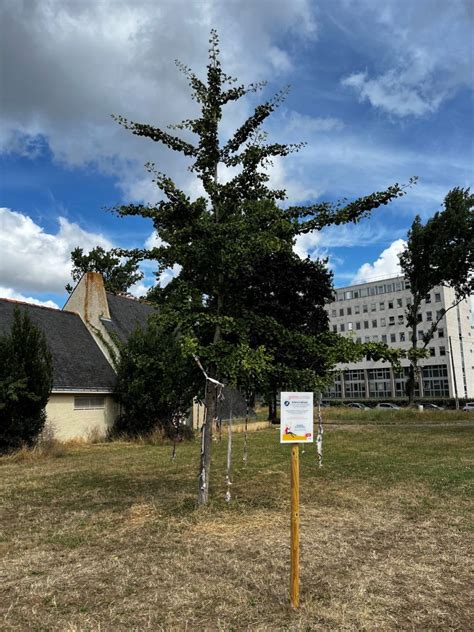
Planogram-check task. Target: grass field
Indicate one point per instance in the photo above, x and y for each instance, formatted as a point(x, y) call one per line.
point(106, 537)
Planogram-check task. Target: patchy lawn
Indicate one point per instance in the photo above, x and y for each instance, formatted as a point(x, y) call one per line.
point(106, 537)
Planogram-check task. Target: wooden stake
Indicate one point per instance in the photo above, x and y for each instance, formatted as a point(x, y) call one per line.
point(295, 527)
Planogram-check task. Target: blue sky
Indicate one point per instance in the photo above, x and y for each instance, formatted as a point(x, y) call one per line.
point(381, 90)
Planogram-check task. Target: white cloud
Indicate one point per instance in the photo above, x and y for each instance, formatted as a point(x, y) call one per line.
point(6, 292)
point(386, 265)
point(425, 60)
point(81, 61)
point(33, 260)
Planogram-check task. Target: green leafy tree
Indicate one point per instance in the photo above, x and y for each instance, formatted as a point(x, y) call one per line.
point(156, 382)
point(217, 238)
point(439, 253)
point(25, 383)
point(118, 277)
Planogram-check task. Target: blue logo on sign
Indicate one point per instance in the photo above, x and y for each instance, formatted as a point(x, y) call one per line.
point(287, 403)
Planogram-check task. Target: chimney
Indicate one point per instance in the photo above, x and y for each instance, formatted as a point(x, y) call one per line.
point(89, 299)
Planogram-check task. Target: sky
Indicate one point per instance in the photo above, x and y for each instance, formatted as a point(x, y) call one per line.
point(381, 90)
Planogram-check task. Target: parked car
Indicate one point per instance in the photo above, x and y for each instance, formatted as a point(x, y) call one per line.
point(388, 405)
point(357, 405)
point(432, 407)
point(469, 407)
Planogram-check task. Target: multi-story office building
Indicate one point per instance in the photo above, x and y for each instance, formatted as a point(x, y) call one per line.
point(375, 312)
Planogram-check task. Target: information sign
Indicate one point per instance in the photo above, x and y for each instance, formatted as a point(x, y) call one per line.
point(296, 418)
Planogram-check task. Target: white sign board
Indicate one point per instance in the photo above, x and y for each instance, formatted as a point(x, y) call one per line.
point(296, 418)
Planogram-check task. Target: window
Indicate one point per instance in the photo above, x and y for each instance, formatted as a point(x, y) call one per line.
point(407, 285)
point(356, 294)
point(432, 351)
point(383, 322)
point(88, 403)
point(358, 325)
point(428, 298)
point(359, 340)
point(380, 289)
point(419, 317)
point(375, 338)
point(391, 320)
point(382, 305)
point(348, 294)
point(402, 336)
point(342, 327)
point(429, 316)
point(333, 313)
point(421, 333)
point(365, 309)
point(393, 338)
point(439, 314)
point(341, 312)
point(390, 305)
point(357, 309)
point(372, 291)
point(384, 338)
point(442, 351)
point(349, 326)
point(400, 319)
point(437, 297)
point(363, 292)
point(373, 307)
point(440, 333)
point(349, 311)
point(374, 323)
point(398, 286)
point(366, 324)
point(399, 302)
point(334, 327)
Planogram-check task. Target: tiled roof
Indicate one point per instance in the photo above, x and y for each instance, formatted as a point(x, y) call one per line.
point(126, 315)
point(78, 363)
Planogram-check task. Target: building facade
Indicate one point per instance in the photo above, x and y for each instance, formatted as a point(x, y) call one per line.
point(375, 312)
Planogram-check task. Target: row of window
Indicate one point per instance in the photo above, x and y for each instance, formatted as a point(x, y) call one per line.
point(384, 288)
point(87, 403)
point(390, 305)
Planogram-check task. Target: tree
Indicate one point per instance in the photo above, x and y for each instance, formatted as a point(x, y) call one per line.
point(118, 277)
point(439, 253)
point(156, 382)
point(25, 383)
point(217, 238)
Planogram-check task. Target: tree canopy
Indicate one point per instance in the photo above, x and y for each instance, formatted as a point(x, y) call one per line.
point(26, 380)
point(438, 253)
point(118, 276)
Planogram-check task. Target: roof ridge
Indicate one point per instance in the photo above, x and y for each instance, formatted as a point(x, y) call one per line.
point(131, 298)
point(14, 300)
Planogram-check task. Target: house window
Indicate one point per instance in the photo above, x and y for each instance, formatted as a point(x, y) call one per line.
point(428, 298)
point(402, 336)
point(365, 309)
point(437, 297)
point(391, 320)
point(374, 323)
point(366, 324)
point(349, 326)
point(341, 312)
point(429, 316)
point(375, 338)
point(383, 322)
point(366, 338)
point(393, 338)
point(88, 403)
point(333, 313)
point(334, 327)
point(342, 327)
point(373, 307)
point(400, 319)
point(432, 351)
point(421, 333)
point(399, 302)
point(349, 311)
point(358, 325)
point(357, 309)
point(442, 351)
point(439, 314)
point(382, 305)
point(384, 338)
point(440, 333)
point(390, 305)
point(359, 340)
point(419, 317)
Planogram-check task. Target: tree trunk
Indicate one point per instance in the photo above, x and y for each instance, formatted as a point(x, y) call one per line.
point(206, 442)
point(413, 369)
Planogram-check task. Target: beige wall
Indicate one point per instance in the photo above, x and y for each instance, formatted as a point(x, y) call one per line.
point(68, 423)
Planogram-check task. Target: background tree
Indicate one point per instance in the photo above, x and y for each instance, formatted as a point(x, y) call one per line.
point(216, 239)
point(118, 277)
point(26, 380)
point(439, 253)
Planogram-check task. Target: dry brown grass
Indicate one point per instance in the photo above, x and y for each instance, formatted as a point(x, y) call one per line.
point(108, 538)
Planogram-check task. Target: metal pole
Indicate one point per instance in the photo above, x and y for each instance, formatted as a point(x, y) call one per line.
point(454, 374)
point(295, 527)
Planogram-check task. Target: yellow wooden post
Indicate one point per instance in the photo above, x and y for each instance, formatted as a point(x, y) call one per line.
point(295, 527)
